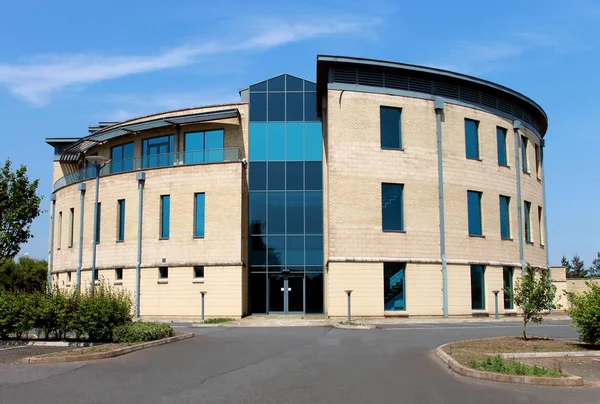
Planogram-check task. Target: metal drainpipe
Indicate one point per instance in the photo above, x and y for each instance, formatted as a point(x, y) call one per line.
point(51, 259)
point(516, 127)
point(141, 178)
point(81, 188)
point(439, 108)
point(542, 145)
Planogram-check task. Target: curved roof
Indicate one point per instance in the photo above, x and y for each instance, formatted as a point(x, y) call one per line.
point(444, 83)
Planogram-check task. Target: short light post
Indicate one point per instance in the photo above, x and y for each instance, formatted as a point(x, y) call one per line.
point(98, 162)
point(495, 292)
point(349, 292)
point(203, 292)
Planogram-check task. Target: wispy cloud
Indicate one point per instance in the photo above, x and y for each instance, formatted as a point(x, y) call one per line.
point(37, 80)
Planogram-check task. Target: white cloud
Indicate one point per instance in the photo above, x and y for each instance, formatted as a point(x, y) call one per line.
point(37, 80)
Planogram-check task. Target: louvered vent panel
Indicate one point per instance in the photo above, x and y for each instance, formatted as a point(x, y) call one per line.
point(419, 85)
point(370, 78)
point(469, 95)
point(347, 76)
point(504, 106)
point(517, 111)
point(446, 90)
point(396, 81)
point(527, 117)
point(489, 100)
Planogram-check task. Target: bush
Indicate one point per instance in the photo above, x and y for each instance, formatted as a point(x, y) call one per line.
point(17, 314)
point(585, 312)
point(499, 365)
point(141, 332)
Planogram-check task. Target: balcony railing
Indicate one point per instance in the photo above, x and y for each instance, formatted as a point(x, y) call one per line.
point(192, 157)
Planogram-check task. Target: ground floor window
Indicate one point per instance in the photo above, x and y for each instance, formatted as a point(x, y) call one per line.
point(507, 276)
point(394, 286)
point(477, 287)
point(292, 291)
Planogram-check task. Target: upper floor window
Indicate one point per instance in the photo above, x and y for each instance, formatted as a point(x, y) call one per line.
point(71, 224)
point(392, 207)
point(165, 216)
point(390, 127)
point(541, 225)
point(201, 147)
point(472, 138)
point(501, 140)
point(504, 217)
point(59, 237)
point(157, 151)
point(98, 221)
point(199, 201)
point(528, 222)
point(524, 154)
point(121, 220)
point(474, 213)
point(122, 158)
point(537, 161)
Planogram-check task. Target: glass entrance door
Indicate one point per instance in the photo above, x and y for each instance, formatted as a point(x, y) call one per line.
point(276, 293)
point(286, 293)
point(295, 293)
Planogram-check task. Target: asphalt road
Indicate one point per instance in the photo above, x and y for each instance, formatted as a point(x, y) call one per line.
point(287, 365)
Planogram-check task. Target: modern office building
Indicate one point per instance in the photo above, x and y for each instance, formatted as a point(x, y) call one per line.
point(419, 189)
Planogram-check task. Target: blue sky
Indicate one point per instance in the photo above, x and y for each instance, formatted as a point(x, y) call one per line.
point(67, 64)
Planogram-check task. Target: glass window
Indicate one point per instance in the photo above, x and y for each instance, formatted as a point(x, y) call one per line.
point(472, 139)
point(313, 139)
point(72, 224)
point(294, 175)
point(119, 274)
point(258, 212)
point(477, 287)
point(99, 222)
point(310, 86)
point(121, 220)
point(294, 83)
point(528, 222)
point(524, 154)
point(295, 212)
point(121, 158)
point(314, 250)
point(276, 141)
point(262, 86)
point(258, 250)
point(258, 141)
point(199, 272)
point(276, 175)
point(314, 175)
point(474, 212)
point(501, 140)
point(391, 207)
point(165, 213)
point(393, 286)
point(214, 143)
point(258, 293)
point(537, 161)
point(507, 277)
point(276, 111)
point(59, 236)
point(194, 148)
point(158, 151)
point(310, 107)
point(294, 107)
point(504, 217)
point(314, 212)
point(295, 250)
point(540, 224)
point(390, 128)
point(314, 293)
point(258, 107)
point(294, 141)
point(276, 251)
point(258, 176)
point(277, 83)
point(163, 273)
point(199, 206)
point(276, 213)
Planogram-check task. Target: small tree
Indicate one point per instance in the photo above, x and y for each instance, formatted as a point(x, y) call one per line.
point(27, 275)
point(585, 312)
point(595, 268)
point(576, 268)
point(534, 294)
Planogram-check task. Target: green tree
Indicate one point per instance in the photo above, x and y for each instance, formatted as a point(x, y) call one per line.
point(575, 268)
point(585, 312)
point(595, 268)
point(26, 275)
point(567, 265)
point(534, 293)
point(19, 206)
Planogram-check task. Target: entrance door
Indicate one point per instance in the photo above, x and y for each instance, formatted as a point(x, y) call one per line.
point(276, 293)
point(286, 293)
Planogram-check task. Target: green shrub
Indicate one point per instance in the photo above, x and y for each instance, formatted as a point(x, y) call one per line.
point(141, 332)
point(498, 365)
point(585, 312)
point(16, 314)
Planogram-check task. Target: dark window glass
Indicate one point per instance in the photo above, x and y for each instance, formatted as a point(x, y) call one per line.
point(99, 222)
point(501, 140)
point(314, 250)
point(314, 293)
point(310, 107)
point(295, 295)
point(204, 146)
point(277, 83)
point(390, 128)
point(314, 175)
point(276, 294)
point(157, 151)
point(121, 220)
point(72, 224)
point(295, 212)
point(258, 293)
point(314, 212)
point(309, 86)
point(258, 250)
point(121, 158)
point(295, 250)
point(472, 139)
point(276, 212)
point(262, 86)
point(276, 251)
point(276, 176)
point(391, 207)
point(507, 277)
point(199, 272)
point(165, 215)
point(163, 273)
point(393, 286)
point(295, 175)
point(528, 222)
point(474, 212)
point(258, 107)
point(537, 161)
point(294, 83)
point(540, 224)
point(294, 107)
point(199, 206)
point(258, 176)
point(258, 141)
point(504, 216)
point(477, 287)
point(276, 111)
point(524, 154)
point(258, 212)
point(119, 274)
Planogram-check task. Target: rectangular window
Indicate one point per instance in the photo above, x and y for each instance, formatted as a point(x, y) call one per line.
point(121, 220)
point(71, 225)
point(163, 273)
point(541, 224)
point(394, 286)
point(528, 222)
point(472, 139)
point(199, 272)
point(121, 158)
point(477, 287)
point(537, 161)
point(501, 140)
point(524, 154)
point(165, 215)
point(158, 151)
point(199, 205)
point(203, 147)
point(507, 276)
point(59, 235)
point(504, 217)
point(96, 275)
point(119, 274)
point(474, 212)
point(392, 207)
point(390, 127)
point(68, 277)
point(98, 221)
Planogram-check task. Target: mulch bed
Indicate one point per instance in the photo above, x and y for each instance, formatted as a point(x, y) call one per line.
point(586, 367)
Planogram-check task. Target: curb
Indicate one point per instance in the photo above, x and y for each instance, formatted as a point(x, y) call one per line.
point(354, 327)
point(524, 355)
point(570, 381)
point(105, 355)
point(201, 325)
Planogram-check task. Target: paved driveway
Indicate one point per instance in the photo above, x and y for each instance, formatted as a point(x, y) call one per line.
point(287, 365)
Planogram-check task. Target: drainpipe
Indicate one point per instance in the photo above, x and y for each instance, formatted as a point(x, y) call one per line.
point(81, 188)
point(50, 261)
point(439, 109)
point(542, 145)
point(516, 127)
point(141, 178)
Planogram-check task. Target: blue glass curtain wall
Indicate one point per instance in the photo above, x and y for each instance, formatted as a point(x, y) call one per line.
point(286, 197)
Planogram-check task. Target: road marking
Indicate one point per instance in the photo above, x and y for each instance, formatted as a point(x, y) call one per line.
point(430, 327)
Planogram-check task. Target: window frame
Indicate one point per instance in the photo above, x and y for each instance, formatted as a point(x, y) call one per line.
point(71, 227)
point(163, 274)
point(59, 230)
point(482, 285)
point(478, 156)
point(383, 108)
point(540, 225)
point(401, 268)
point(197, 267)
point(501, 135)
point(383, 216)
point(121, 206)
point(507, 213)
point(196, 235)
point(537, 160)
point(527, 221)
point(122, 160)
point(479, 211)
point(524, 162)
point(99, 221)
point(161, 230)
point(118, 274)
point(508, 299)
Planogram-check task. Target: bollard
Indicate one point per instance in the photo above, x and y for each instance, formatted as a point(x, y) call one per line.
point(349, 292)
point(203, 292)
point(496, 297)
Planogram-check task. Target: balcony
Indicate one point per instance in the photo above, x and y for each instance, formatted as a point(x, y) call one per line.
point(192, 157)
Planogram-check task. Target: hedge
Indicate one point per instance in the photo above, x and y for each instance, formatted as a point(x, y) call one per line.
point(585, 313)
point(141, 332)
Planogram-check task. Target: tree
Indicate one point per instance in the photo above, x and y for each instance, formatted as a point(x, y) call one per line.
point(534, 293)
point(19, 206)
point(576, 268)
point(567, 265)
point(595, 268)
point(585, 312)
point(27, 275)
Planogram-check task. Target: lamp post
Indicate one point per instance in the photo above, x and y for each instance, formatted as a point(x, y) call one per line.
point(495, 292)
point(203, 292)
point(349, 292)
point(98, 162)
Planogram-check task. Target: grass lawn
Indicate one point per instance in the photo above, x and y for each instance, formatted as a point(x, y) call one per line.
point(217, 320)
